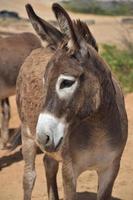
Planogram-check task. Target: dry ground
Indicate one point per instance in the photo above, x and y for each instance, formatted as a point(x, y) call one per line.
point(12, 170)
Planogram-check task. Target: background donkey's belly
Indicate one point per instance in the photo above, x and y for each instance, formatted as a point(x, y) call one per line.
point(6, 91)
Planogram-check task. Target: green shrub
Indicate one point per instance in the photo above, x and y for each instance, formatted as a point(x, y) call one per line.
point(93, 7)
point(121, 63)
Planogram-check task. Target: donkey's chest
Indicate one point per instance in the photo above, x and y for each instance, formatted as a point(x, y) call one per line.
point(95, 157)
point(92, 150)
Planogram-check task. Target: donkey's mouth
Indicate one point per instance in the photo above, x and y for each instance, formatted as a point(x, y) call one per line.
point(59, 145)
point(52, 147)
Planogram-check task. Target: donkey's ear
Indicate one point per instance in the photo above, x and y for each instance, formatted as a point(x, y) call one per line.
point(45, 30)
point(85, 32)
point(65, 23)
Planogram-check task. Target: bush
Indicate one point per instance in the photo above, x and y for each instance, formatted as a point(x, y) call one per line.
point(93, 7)
point(121, 63)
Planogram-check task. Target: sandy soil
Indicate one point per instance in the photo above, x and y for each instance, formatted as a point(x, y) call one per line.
point(11, 165)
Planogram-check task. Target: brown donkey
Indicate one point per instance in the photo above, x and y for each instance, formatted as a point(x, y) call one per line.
point(72, 107)
point(13, 51)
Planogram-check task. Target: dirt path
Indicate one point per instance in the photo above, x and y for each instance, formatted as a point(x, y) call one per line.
point(12, 170)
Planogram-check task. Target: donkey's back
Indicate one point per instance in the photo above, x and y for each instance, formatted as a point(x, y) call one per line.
point(13, 51)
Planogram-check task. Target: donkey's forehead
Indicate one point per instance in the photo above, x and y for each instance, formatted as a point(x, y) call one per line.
point(65, 64)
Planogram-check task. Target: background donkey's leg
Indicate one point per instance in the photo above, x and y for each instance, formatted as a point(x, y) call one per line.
point(51, 169)
point(5, 117)
point(29, 154)
point(69, 180)
point(106, 180)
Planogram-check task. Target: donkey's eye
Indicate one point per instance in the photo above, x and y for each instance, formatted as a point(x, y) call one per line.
point(66, 86)
point(66, 83)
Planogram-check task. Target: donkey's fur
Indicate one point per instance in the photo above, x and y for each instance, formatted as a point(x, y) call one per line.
point(13, 51)
point(94, 117)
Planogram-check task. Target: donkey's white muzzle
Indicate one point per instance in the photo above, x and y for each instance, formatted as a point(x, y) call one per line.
point(50, 131)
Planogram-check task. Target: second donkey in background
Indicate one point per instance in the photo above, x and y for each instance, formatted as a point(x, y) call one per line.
point(13, 51)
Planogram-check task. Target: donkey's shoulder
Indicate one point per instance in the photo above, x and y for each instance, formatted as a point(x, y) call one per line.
point(30, 87)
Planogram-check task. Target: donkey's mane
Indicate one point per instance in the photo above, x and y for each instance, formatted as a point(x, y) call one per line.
point(105, 78)
point(84, 32)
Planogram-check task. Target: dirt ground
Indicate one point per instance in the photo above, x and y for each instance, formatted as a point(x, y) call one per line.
point(12, 170)
point(106, 30)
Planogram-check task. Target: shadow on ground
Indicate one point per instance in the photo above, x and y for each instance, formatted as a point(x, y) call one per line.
point(90, 196)
point(8, 160)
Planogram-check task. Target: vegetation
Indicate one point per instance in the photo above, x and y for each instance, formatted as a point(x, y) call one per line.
point(121, 63)
point(94, 7)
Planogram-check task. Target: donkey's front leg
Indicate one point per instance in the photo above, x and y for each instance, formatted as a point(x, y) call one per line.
point(106, 180)
point(69, 181)
point(29, 154)
point(5, 117)
point(51, 169)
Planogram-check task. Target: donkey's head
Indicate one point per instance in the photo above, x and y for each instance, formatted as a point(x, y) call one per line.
point(72, 80)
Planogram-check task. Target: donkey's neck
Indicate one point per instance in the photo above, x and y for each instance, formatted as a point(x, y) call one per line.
point(108, 97)
point(108, 104)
